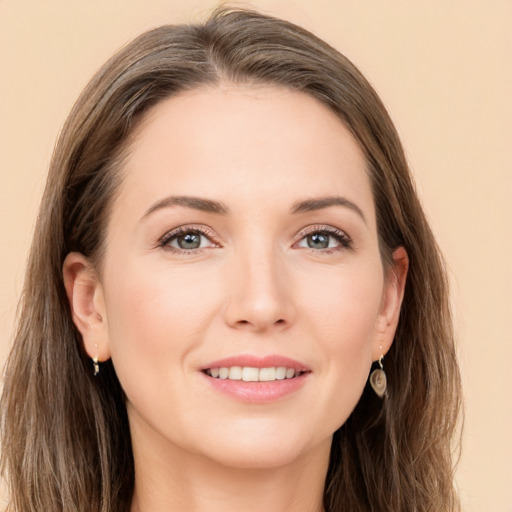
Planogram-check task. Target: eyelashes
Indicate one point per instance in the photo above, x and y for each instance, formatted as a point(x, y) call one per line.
point(326, 239)
point(193, 239)
point(189, 239)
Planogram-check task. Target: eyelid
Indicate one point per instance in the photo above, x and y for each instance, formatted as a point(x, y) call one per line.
point(344, 239)
point(322, 228)
point(206, 231)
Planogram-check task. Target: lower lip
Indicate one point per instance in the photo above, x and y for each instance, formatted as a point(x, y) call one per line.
point(258, 392)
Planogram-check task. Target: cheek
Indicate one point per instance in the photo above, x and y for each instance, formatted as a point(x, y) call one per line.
point(343, 317)
point(345, 305)
point(155, 320)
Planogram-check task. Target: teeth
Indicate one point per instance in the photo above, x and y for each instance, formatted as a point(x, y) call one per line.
point(290, 372)
point(281, 373)
point(249, 374)
point(267, 374)
point(235, 373)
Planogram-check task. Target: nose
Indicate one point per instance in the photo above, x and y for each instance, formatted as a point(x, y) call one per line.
point(260, 293)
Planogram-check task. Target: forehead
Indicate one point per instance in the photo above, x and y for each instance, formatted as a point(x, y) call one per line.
point(246, 144)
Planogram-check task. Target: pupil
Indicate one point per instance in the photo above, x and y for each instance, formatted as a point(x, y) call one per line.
point(189, 241)
point(318, 241)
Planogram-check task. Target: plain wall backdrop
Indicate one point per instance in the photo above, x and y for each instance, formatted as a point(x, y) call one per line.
point(442, 67)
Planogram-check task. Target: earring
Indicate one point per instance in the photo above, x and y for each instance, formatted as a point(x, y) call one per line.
point(95, 362)
point(378, 379)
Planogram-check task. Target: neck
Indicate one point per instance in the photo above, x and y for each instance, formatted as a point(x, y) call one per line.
point(171, 479)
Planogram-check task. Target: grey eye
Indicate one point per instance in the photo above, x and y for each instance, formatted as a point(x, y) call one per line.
point(191, 240)
point(325, 239)
point(188, 239)
point(318, 240)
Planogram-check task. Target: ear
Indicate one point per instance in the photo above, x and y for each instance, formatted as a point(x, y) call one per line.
point(86, 299)
point(392, 297)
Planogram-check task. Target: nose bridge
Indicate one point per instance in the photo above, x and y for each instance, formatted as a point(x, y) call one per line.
point(260, 295)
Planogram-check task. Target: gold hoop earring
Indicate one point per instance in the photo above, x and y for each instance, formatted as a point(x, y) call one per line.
point(378, 379)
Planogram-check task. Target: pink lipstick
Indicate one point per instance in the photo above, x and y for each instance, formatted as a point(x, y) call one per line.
point(255, 379)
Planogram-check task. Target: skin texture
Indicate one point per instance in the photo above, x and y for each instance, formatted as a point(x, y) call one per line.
point(253, 287)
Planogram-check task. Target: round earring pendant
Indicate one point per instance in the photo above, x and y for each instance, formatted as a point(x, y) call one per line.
point(378, 382)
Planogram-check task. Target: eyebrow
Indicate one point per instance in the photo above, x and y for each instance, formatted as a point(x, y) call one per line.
point(318, 203)
point(195, 203)
point(211, 206)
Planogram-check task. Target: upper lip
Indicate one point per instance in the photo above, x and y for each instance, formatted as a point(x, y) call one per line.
point(248, 360)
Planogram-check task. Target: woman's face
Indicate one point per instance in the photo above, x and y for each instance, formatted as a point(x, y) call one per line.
point(243, 237)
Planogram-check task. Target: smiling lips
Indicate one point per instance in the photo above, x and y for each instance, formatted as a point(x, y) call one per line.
point(255, 379)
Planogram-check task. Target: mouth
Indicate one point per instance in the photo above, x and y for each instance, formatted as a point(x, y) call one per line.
point(254, 374)
point(256, 379)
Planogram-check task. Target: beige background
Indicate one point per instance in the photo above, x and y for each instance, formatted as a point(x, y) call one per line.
point(444, 69)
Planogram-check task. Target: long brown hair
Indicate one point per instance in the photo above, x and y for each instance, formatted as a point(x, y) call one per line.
point(65, 436)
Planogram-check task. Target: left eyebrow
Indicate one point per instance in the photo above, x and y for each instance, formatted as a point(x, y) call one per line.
point(319, 203)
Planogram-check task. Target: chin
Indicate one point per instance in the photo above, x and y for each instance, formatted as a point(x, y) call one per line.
point(267, 458)
point(264, 448)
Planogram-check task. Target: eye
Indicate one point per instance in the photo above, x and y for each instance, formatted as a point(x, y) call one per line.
point(320, 241)
point(325, 239)
point(187, 239)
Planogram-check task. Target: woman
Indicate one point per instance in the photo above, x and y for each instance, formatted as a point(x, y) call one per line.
point(233, 298)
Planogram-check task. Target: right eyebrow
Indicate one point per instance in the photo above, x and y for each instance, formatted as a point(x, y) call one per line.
point(195, 203)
